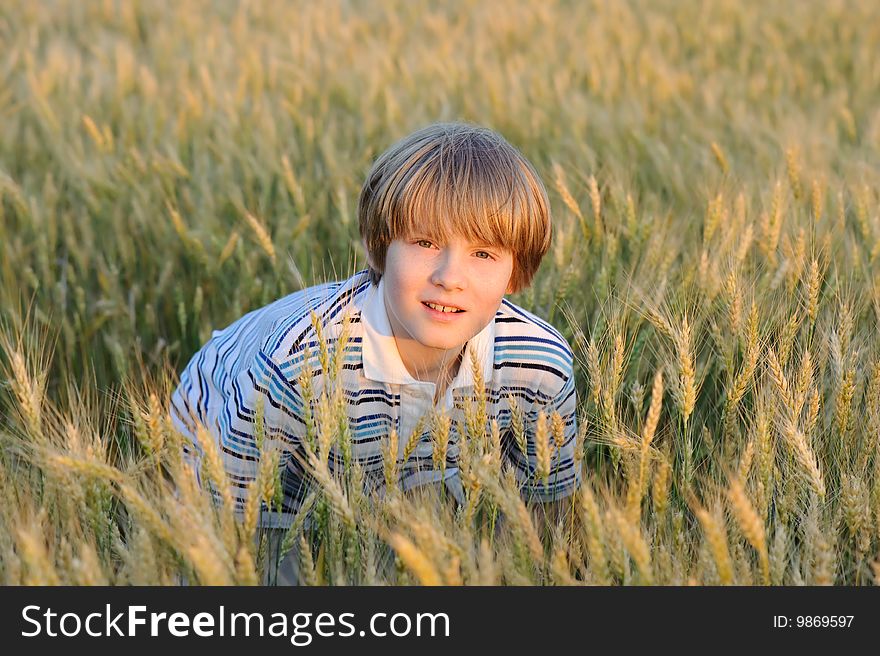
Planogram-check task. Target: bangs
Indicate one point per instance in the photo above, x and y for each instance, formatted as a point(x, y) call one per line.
point(484, 197)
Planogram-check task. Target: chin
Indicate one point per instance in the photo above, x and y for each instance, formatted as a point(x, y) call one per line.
point(441, 342)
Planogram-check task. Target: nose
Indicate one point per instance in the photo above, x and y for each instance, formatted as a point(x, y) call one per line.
point(449, 271)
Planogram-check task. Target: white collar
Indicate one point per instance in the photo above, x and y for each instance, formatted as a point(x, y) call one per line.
point(381, 359)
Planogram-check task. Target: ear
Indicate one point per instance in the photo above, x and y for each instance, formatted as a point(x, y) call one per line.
point(510, 287)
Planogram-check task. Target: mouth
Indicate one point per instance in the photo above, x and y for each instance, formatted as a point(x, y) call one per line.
point(441, 307)
point(442, 313)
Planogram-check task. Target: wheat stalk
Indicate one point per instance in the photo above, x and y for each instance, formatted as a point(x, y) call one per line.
point(440, 438)
point(749, 523)
point(687, 372)
point(261, 234)
point(804, 456)
point(715, 532)
point(591, 521)
point(415, 560)
point(389, 459)
point(720, 158)
point(637, 487)
point(635, 544)
point(596, 202)
point(542, 449)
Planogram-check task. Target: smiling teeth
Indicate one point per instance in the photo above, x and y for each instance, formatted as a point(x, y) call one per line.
point(442, 308)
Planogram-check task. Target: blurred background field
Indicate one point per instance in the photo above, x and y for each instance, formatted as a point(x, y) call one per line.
point(714, 171)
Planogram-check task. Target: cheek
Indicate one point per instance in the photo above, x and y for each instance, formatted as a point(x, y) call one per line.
point(499, 280)
point(396, 267)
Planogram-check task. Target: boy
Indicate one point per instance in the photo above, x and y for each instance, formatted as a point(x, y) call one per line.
point(452, 218)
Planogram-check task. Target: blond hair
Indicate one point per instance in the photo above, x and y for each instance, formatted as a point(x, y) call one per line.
point(456, 179)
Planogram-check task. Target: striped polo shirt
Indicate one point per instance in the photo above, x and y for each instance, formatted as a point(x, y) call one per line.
point(259, 359)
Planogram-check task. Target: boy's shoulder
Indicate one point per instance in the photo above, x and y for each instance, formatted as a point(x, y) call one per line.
point(293, 331)
point(529, 350)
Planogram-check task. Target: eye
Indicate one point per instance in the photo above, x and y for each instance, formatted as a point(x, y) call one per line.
point(481, 254)
point(422, 242)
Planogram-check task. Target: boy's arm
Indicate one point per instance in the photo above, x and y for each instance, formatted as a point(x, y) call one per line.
point(283, 411)
point(232, 415)
point(194, 402)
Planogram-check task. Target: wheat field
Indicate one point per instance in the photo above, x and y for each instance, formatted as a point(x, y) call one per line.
point(714, 173)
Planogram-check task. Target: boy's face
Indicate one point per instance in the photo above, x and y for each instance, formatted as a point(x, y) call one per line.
point(419, 270)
